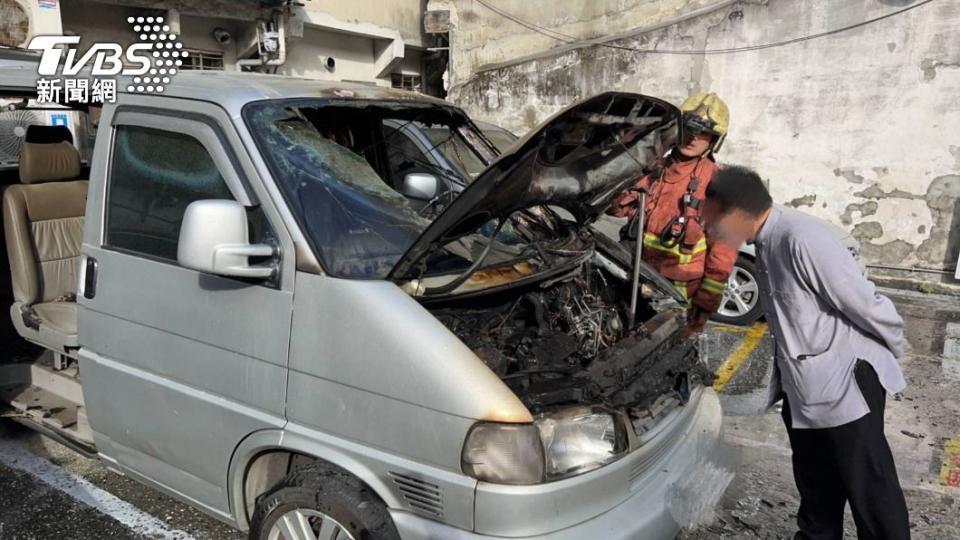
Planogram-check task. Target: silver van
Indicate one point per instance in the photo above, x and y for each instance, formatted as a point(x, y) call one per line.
point(250, 305)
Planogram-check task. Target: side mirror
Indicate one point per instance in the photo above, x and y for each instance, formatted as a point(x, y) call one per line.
point(421, 186)
point(214, 239)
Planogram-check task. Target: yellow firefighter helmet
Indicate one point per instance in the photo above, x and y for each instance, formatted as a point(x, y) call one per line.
point(706, 112)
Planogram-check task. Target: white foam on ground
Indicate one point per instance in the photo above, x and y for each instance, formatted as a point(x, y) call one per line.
point(15, 456)
point(692, 500)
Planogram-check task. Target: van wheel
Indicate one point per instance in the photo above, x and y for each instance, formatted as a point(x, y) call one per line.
point(321, 502)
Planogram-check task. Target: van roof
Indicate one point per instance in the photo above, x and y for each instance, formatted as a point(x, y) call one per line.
point(230, 89)
point(234, 89)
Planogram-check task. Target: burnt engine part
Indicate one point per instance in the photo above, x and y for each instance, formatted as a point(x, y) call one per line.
point(568, 343)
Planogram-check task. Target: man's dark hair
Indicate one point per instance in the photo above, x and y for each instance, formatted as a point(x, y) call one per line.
point(739, 188)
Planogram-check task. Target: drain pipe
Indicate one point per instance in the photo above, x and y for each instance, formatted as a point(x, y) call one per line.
point(280, 21)
point(944, 271)
point(173, 21)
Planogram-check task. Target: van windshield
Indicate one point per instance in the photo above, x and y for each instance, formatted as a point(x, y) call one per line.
point(359, 225)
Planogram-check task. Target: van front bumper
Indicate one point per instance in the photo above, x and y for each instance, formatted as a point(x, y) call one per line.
point(649, 494)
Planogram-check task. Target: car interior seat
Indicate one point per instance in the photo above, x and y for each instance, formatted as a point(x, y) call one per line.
point(43, 227)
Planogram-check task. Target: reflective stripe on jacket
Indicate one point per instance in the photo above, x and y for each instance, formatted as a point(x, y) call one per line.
point(696, 265)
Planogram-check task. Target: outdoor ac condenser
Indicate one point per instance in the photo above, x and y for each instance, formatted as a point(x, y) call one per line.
point(20, 20)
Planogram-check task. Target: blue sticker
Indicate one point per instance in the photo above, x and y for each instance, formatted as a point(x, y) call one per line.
point(59, 120)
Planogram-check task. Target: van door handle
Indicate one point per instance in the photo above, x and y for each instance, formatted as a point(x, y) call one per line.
point(90, 278)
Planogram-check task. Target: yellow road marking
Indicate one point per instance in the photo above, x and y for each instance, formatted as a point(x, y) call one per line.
point(728, 328)
point(950, 469)
point(733, 362)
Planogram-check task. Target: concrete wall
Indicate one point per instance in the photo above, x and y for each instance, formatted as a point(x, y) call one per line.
point(857, 128)
point(94, 21)
point(369, 40)
point(353, 54)
point(405, 16)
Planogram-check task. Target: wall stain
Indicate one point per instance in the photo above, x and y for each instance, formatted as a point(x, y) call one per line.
point(941, 246)
point(865, 209)
point(850, 174)
point(943, 198)
point(867, 230)
point(894, 252)
point(929, 68)
point(806, 200)
point(875, 192)
point(530, 117)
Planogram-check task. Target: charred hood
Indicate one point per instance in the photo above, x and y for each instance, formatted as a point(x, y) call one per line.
point(578, 160)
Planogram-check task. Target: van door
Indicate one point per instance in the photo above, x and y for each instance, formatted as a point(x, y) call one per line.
point(178, 366)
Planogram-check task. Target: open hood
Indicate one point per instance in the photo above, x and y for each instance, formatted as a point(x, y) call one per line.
point(578, 159)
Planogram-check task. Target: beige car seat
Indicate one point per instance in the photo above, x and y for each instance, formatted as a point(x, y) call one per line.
point(43, 224)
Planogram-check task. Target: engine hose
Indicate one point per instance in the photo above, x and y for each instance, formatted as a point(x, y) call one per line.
point(447, 287)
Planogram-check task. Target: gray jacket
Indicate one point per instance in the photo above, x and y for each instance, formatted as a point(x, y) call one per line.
point(824, 315)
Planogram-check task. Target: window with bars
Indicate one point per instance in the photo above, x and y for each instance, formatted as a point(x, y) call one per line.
point(406, 82)
point(203, 60)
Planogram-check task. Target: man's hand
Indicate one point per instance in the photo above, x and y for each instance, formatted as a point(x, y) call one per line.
point(696, 321)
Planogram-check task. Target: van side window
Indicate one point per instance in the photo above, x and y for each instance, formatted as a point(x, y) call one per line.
point(403, 154)
point(154, 175)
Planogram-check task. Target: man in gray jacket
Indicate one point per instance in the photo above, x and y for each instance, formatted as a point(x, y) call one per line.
point(837, 343)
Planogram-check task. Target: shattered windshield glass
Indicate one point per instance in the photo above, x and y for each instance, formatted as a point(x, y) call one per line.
point(358, 224)
point(455, 148)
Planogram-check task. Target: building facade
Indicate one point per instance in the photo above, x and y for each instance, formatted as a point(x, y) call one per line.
point(853, 126)
point(365, 41)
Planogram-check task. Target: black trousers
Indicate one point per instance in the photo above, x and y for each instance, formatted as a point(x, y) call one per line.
point(851, 463)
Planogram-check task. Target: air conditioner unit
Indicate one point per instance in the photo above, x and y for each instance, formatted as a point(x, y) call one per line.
point(20, 20)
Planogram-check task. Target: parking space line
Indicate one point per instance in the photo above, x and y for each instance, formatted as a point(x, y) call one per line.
point(13, 455)
point(728, 328)
point(739, 355)
point(950, 469)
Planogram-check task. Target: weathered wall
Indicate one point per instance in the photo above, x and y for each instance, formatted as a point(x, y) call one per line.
point(357, 35)
point(406, 16)
point(858, 127)
point(483, 37)
point(354, 56)
point(96, 21)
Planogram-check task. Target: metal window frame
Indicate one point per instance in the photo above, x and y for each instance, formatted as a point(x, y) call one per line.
point(199, 56)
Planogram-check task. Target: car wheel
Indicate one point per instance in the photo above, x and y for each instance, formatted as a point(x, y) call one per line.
point(321, 502)
point(741, 299)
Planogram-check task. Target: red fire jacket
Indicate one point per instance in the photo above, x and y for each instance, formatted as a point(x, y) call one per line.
point(698, 267)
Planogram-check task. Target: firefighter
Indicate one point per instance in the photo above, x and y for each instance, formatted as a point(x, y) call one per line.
point(673, 237)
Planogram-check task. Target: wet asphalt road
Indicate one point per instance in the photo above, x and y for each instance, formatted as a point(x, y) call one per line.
point(87, 501)
point(922, 426)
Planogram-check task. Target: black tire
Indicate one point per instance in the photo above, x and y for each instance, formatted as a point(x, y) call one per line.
point(332, 491)
point(746, 267)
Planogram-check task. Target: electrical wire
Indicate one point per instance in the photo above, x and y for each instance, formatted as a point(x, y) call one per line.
point(566, 38)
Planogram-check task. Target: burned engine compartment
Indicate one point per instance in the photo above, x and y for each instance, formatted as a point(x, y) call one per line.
point(567, 342)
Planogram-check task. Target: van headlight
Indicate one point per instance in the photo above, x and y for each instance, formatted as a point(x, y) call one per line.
point(579, 439)
point(557, 445)
point(503, 453)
